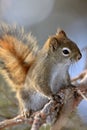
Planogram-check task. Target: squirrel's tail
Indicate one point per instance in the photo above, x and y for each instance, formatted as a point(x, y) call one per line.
point(15, 56)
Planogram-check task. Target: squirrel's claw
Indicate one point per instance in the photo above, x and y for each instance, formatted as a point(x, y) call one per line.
point(26, 113)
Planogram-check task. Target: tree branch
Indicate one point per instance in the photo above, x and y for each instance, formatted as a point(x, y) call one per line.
point(57, 111)
point(73, 101)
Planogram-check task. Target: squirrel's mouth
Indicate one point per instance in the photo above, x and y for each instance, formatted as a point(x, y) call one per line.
point(76, 58)
point(79, 56)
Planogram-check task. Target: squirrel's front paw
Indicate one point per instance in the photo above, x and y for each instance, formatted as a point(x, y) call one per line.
point(26, 113)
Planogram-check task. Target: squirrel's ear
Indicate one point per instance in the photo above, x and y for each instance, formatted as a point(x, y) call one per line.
point(53, 44)
point(61, 33)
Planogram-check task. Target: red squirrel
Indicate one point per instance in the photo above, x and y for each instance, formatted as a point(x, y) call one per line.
point(36, 74)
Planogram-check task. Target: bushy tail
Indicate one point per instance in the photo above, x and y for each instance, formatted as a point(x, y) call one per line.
point(16, 56)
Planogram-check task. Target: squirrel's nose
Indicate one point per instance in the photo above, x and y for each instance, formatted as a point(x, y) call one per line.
point(79, 56)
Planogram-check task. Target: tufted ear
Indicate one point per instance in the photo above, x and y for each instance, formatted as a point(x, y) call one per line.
point(61, 33)
point(54, 44)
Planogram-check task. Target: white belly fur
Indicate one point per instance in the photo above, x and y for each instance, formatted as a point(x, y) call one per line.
point(58, 77)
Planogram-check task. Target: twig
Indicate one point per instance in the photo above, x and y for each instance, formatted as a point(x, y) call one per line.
point(83, 96)
point(15, 121)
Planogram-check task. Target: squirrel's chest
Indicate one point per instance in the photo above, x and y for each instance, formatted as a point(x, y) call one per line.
point(59, 78)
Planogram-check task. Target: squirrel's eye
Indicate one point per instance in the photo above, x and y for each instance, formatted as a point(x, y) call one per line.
point(66, 51)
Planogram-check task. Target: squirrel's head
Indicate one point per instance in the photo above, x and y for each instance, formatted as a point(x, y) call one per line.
point(62, 49)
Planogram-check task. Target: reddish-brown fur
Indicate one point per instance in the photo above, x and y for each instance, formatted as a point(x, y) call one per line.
point(15, 63)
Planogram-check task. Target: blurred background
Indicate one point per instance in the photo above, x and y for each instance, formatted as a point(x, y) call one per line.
point(42, 18)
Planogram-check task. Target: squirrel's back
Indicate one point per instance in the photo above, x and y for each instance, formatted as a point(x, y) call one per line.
point(17, 53)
